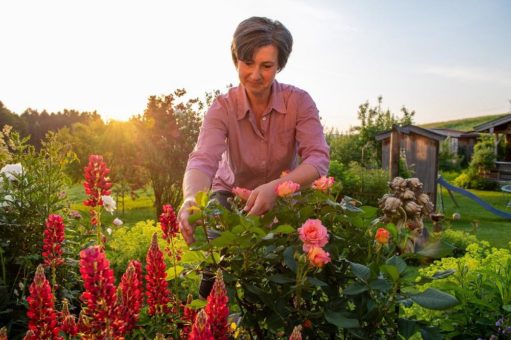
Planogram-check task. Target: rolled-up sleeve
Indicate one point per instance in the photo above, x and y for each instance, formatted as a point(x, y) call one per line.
point(312, 146)
point(211, 142)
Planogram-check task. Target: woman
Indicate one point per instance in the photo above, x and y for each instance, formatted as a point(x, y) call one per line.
point(257, 130)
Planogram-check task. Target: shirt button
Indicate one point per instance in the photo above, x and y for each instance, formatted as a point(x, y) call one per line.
point(264, 118)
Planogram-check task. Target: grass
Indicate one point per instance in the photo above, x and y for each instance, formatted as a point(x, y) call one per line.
point(477, 220)
point(465, 124)
point(135, 210)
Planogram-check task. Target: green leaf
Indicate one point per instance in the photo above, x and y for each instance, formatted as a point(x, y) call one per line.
point(397, 262)
point(406, 327)
point(171, 274)
point(436, 250)
point(281, 279)
point(391, 271)
point(197, 304)
point(380, 284)
point(361, 271)
point(435, 299)
point(507, 308)
point(284, 229)
point(289, 258)
point(430, 333)
point(443, 274)
point(355, 288)
point(226, 238)
point(269, 236)
point(238, 229)
point(202, 198)
point(194, 217)
point(317, 282)
point(339, 320)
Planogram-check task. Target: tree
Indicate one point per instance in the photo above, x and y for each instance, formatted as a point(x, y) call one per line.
point(374, 120)
point(168, 131)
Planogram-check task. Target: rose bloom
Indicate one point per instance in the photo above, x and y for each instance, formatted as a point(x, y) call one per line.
point(242, 193)
point(323, 183)
point(382, 236)
point(287, 188)
point(108, 203)
point(318, 256)
point(313, 234)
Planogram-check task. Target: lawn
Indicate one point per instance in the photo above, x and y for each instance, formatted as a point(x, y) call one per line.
point(474, 218)
point(139, 209)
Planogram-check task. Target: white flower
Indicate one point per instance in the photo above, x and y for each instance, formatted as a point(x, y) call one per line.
point(108, 203)
point(117, 222)
point(109, 231)
point(11, 171)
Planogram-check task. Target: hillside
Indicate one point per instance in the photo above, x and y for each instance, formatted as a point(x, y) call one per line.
point(465, 124)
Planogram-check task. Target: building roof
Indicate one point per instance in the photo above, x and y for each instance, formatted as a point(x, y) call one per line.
point(407, 129)
point(493, 123)
point(455, 133)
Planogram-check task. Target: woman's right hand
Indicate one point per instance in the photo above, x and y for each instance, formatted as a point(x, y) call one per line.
point(186, 228)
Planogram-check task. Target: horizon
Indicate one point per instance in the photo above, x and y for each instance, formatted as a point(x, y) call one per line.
point(444, 60)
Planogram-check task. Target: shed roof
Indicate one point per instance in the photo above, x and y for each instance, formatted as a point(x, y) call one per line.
point(407, 129)
point(493, 123)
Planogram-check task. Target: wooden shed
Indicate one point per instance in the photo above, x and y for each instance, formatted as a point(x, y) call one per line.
point(419, 146)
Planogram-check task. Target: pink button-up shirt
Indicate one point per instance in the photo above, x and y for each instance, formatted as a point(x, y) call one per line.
point(232, 150)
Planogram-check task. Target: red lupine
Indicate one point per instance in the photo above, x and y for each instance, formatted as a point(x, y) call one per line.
point(97, 183)
point(53, 239)
point(130, 290)
point(99, 295)
point(157, 292)
point(201, 328)
point(41, 313)
point(217, 308)
point(168, 222)
point(67, 320)
point(188, 317)
point(170, 228)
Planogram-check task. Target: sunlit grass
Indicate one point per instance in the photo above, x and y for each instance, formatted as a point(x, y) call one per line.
point(475, 219)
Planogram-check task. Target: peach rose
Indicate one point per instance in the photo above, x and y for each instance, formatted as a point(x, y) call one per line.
point(382, 236)
point(323, 183)
point(287, 188)
point(241, 193)
point(318, 256)
point(313, 234)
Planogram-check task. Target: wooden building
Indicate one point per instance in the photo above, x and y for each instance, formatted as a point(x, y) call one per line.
point(419, 147)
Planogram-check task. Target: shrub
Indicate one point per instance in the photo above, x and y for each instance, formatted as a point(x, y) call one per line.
point(481, 281)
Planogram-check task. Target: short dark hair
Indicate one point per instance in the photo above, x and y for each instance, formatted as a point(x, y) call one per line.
point(256, 32)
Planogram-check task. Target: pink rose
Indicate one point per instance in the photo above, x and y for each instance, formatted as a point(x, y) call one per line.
point(242, 193)
point(313, 234)
point(318, 256)
point(323, 183)
point(287, 188)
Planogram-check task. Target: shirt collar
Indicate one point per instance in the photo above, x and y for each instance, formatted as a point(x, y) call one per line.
point(276, 100)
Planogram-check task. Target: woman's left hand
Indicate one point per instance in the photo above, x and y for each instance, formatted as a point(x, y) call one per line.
point(261, 199)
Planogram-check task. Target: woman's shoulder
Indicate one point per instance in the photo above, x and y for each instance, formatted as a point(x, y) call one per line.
point(291, 90)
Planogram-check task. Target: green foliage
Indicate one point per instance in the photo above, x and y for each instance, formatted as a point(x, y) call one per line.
point(276, 287)
point(481, 281)
point(483, 159)
point(27, 198)
point(367, 185)
point(167, 133)
point(448, 160)
point(463, 180)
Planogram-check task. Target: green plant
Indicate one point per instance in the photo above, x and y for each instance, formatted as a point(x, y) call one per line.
point(276, 287)
point(481, 281)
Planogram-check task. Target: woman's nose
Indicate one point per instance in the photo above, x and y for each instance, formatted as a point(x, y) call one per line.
point(255, 74)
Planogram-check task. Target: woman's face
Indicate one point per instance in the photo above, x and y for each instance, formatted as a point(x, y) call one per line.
point(257, 74)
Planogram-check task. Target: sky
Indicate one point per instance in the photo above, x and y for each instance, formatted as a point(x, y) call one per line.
point(443, 59)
